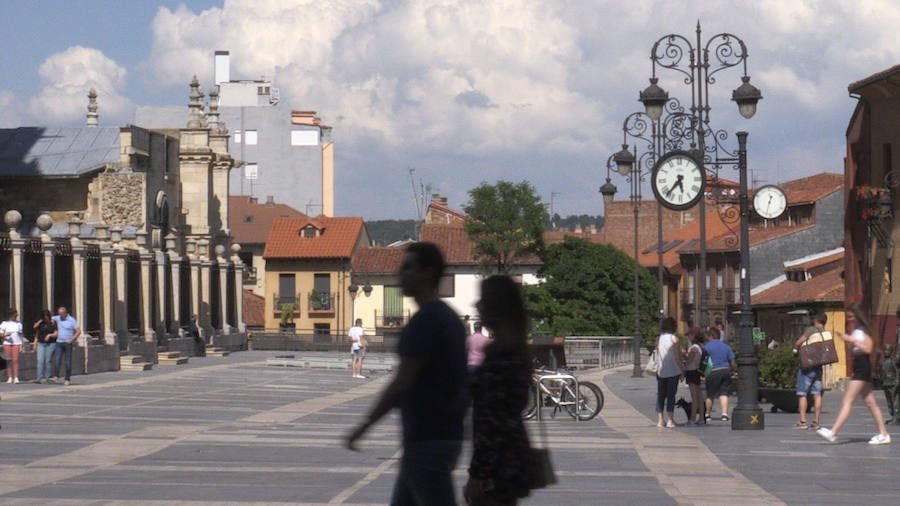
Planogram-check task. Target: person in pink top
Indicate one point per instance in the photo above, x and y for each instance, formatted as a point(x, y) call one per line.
point(475, 345)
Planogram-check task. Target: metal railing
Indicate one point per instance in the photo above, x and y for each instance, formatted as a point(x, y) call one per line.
point(321, 302)
point(391, 321)
point(588, 352)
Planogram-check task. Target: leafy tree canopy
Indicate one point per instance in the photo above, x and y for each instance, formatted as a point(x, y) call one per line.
point(507, 224)
point(589, 290)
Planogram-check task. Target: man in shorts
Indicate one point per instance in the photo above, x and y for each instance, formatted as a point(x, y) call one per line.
point(357, 348)
point(809, 381)
point(718, 383)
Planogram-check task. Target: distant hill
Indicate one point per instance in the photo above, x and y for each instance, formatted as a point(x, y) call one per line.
point(384, 232)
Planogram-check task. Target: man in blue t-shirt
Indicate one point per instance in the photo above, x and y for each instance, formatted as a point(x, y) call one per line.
point(429, 387)
point(718, 383)
point(68, 332)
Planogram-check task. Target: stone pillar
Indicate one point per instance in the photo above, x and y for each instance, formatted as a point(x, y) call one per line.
point(161, 295)
point(44, 222)
point(108, 293)
point(195, 288)
point(79, 285)
point(223, 288)
point(238, 288)
point(13, 219)
point(175, 262)
point(120, 310)
point(147, 316)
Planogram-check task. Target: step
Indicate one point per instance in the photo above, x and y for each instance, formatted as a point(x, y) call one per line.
point(168, 354)
point(161, 349)
point(130, 359)
point(173, 361)
point(136, 367)
point(217, 352)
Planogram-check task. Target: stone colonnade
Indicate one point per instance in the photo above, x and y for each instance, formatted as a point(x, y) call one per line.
point(126, 294)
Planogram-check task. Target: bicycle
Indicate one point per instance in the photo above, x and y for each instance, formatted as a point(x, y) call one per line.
point(557, 389)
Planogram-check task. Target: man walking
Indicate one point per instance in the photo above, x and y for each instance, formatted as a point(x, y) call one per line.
point(68, 332)
point(809, 381)
point(429, 387)
point(357, 348)
point(718, 383)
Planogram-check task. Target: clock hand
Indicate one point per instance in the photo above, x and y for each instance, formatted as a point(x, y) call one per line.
point(678, 183)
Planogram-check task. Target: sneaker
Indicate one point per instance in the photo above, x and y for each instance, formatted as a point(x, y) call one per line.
point(670, 424)
point(37, 382)
point(724, 417)
point(66, 383)
point(660, 424)
point(814, 425)
point(362, 377)
point(827, 435)
point(879, 439)
point(9, 380)
point(52, 380)
point(16, 381)
point(706, 417)
point(801, 426)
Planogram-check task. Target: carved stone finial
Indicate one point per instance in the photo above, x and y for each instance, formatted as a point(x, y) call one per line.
point(235, 248)
point(195, 106)
point(220, 250)
point(44, 222)
point(13, 219)
point(92, 116)
point(212, 116)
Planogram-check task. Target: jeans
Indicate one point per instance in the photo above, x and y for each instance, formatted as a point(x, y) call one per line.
point(425, 473)
point(809, 381)
point(63, 352)
point(665, 393)
point(45, 353)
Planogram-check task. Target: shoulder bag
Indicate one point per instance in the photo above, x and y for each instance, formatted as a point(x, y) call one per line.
point(818, 353)
point(652, 366)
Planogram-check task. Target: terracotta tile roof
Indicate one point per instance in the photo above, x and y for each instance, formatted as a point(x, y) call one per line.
point(249, 222)
point(834, 258)
point(618, 224)
point(378, 260)
point(454, 243)
point(826, 287)
point(254, 309)
point(878, 76)
point(338, 238)
point(813, 188)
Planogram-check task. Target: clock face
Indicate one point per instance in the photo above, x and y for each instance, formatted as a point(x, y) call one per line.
point(678, 180)
point(769, 202)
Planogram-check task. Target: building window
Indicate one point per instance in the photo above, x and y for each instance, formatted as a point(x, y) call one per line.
point(304, 137)
point(248, 219)
point(237, 136)
point(250, 137)
point(720, 279)
point(287, 291)
point(309, 231)
point(247, 258)
point(690, 287)
point(322, 329)
point(888, 157)
point(446, 286)
point(251, 171)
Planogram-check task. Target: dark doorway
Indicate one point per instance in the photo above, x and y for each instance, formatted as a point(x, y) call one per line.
point(93, 292)
point(231, 301)
point(62, 283)
point(185, 293)
point(33, 290)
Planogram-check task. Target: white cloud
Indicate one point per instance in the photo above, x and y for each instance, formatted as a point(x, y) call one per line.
point(12, 110)
point(68, 76)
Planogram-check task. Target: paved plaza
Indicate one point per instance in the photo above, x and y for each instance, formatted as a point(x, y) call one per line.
point(233, 430)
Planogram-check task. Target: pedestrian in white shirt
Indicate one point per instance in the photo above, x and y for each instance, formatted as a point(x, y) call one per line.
point(357, 348)
point(11, 330)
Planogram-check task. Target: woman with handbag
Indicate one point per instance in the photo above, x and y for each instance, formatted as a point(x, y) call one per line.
point(861, 382)
point(503, 463)
point(670, 357)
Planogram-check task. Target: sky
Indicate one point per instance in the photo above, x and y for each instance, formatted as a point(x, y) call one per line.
point(463, 91)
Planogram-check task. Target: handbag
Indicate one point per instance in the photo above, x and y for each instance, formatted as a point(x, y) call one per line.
point(821, 352)
point(652, 366)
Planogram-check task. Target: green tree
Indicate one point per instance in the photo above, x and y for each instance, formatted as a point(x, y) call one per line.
point(588, 290)
point(507, 224)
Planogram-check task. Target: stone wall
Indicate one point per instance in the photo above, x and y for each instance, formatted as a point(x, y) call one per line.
point(102, 358)
point(145, 349)
point(28, 364)
point(122, 198)
point(230, 342)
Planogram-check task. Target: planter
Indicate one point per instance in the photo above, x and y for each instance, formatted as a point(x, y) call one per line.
point(784, 399)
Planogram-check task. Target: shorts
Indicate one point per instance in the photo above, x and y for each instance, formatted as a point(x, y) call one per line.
point(692, 377)
point(862, 367)
point(360, 353)
point(809, 381)
point(718, 382)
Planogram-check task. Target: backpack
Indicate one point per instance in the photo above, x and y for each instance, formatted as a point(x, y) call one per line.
point(706, 363)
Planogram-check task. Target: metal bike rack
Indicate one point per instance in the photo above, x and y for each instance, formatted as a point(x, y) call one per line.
point(555, 377)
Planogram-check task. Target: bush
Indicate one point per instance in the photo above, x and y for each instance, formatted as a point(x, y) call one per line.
point(778, 368)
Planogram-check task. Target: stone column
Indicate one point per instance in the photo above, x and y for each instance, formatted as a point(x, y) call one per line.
point(175, 262)
point(79, 285)
point(44, 222)
point(108, 293)
point(195, 288)
point(238, 289)
point(147, 317)
point(121, 304)
point(13, 219)
point(160, 323)
point(223, 288)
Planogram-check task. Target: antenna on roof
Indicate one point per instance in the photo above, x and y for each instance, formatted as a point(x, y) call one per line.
point(418, 193)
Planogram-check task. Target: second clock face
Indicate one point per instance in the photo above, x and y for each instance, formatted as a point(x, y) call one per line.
point(769, 202)
point(678, 181)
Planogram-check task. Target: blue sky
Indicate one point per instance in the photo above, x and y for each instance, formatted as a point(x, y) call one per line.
point(462, 90)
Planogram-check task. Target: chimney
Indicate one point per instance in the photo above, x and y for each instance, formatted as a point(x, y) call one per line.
point(254, 200)
point(578, 228)
point(592, 229)
point(223, 67)
point(92, 116)
point(444, 200)
point(270, 200)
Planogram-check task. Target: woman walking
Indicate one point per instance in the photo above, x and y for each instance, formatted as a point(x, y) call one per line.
point(502, 459)
point(670, 357)
point(45, 342)
point(861, 382)
point(11, 330)
point(692, 375)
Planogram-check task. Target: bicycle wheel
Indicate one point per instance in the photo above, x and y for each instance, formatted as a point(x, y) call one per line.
point(590, 400)
point(531, 407)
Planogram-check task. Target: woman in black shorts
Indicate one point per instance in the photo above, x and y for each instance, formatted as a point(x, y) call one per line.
point(861, 382)
point(692, 374)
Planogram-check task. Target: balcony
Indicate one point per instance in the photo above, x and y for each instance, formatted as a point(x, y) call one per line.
point(321, 303)
point(282, 302)
point(391, 321)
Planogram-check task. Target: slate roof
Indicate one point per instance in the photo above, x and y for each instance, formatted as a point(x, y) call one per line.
point(56, 152)
point(378, 260)
point(250, 222)
point(337, 239)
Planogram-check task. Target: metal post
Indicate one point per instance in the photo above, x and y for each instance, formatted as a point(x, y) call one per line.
point(747, 415)
point(636, 202)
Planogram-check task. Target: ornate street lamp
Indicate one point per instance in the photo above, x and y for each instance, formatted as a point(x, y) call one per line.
point(654, 99)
